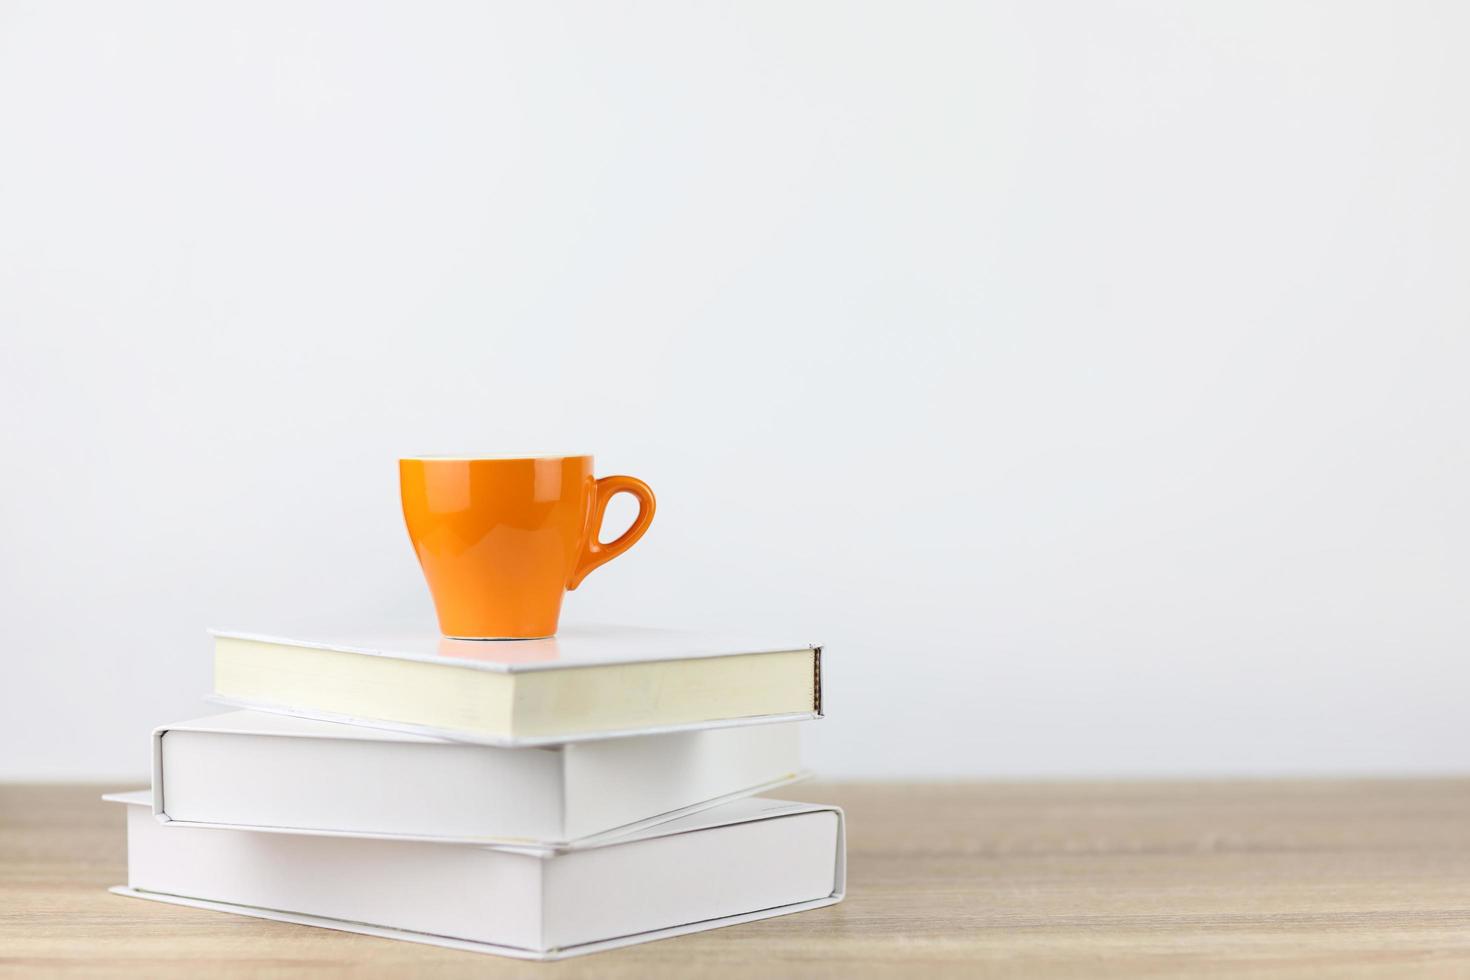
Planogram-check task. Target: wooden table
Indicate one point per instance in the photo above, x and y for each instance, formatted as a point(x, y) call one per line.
point(1258, 879)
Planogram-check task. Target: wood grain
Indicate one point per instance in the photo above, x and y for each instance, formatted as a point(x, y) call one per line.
point(1254, 879)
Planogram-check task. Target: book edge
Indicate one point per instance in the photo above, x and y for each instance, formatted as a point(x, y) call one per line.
point(510, 741)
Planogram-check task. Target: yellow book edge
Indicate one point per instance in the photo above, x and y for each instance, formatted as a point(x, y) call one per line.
point(533, 706)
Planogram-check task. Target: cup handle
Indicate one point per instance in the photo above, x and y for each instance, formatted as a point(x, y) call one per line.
point(596, 553)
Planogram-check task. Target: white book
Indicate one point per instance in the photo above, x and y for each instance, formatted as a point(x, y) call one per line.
point(267, 771)
point(584, 683)
point(749, 859)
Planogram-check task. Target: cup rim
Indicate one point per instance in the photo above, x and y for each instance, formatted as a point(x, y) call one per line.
point(488, 457)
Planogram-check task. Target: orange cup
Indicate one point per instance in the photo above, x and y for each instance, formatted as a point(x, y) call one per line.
point(501, 539)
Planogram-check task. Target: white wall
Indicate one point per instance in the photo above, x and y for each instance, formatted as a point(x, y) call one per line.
point(1091, 377)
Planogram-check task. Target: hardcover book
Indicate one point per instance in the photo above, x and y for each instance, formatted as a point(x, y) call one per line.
point(277, 772)
point(581, 684)
point(749, 859)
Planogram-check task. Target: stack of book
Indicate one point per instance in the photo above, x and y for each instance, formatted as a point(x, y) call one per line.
point(538, 799)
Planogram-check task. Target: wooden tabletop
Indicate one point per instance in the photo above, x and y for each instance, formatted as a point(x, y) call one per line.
point(1257, 879)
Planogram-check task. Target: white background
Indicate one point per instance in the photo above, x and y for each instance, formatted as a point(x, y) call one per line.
point(1090, 377)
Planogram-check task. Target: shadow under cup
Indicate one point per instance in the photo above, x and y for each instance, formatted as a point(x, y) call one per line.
point(501, 540)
